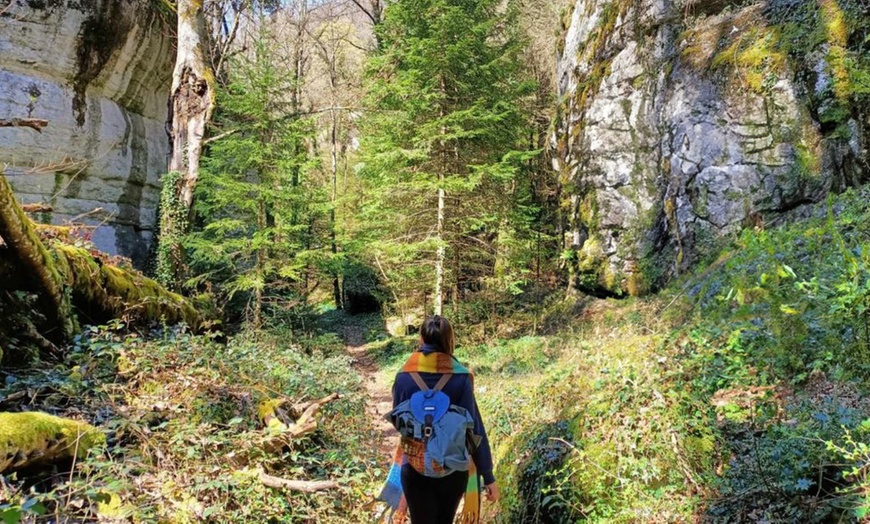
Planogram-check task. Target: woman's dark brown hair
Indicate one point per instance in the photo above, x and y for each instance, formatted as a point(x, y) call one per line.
point(436, 331)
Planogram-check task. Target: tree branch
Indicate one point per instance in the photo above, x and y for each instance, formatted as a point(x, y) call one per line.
point(305, 486)
point(33, 123)
point(36, 208)
point(215, 138)
point(366, 12)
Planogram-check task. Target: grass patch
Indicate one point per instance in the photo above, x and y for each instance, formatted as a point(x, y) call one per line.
point(737, 391)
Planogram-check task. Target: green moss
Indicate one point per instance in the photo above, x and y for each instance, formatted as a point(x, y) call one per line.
point(28, 438)
point(755, 57)
point(106, 291)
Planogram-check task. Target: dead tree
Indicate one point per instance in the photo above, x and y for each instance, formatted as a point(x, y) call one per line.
point(69, 281)
point(190, 107)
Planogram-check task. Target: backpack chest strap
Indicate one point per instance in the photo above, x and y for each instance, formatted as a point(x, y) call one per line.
point(438, 386)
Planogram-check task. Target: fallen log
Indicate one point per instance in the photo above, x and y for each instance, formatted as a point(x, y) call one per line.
point(32, 438)
point(34, 266)
point(66, 280)
point(102, 291)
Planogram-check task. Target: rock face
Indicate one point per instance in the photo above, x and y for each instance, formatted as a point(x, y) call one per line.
point(683, 122)
point(99, 71)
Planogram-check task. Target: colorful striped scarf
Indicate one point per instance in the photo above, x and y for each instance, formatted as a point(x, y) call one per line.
point(434, 362)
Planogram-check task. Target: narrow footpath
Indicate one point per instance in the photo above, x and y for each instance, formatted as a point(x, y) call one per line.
point(381, 398)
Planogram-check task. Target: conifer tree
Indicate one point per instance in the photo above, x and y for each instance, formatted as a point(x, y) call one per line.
point(254, 202)
point(441, 154)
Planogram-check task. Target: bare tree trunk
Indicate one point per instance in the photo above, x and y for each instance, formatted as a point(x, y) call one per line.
point(336, 285)
point(34, 264)
point(261, 273)
point(441, 254)
point(190, 107)
point(375, 13)
point(192, 98)
point(439, 262)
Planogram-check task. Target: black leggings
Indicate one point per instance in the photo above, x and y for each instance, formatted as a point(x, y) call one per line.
point(431, 500)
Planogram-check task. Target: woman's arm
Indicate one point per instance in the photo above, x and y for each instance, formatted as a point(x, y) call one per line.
point(482, 455)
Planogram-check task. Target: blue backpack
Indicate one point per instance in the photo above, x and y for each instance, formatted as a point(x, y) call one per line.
point(437, 436)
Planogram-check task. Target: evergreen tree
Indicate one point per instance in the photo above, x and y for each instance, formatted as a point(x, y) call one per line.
point(441, 153)
point(258, 211)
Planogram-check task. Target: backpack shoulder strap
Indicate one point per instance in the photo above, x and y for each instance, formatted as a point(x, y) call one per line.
point(443, 381)
point(419, 381)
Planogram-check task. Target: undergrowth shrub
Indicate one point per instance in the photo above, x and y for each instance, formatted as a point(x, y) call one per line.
point(185, 443)
point(738, 394)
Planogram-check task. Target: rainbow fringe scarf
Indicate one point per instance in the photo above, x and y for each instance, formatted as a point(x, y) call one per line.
point(392, 494)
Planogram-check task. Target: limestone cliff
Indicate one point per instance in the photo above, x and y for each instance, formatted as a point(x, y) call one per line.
point(99, 71)
point(682, 121)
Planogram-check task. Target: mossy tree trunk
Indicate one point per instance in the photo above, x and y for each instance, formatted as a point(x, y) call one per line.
point(67, 279)
point(33, 268)
point(190, 107)
point(31, 438)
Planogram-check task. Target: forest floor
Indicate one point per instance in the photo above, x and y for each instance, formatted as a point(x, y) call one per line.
point(379, 395)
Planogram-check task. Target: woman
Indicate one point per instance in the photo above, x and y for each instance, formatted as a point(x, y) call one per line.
point(435, 500)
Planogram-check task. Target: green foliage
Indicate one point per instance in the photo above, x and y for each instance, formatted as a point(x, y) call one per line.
point(184, 437)
point(173, 227)
point(856, 454)
point(259, 211)
point(799, 295)
point(799, 34)
point(733, 393)
point(445, 99)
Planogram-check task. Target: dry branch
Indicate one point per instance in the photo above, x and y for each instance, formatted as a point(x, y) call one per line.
point(36, 208)
point(305, 486)
point(311, 408)
point(282, 433)
point(33, 123)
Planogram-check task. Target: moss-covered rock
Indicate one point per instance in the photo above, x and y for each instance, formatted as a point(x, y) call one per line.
point(681, 123)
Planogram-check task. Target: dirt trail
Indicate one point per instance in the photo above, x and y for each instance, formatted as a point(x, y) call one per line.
point(381, 397)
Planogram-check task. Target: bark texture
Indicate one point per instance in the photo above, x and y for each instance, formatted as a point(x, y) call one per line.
point(192, 99)
point(101, 291)
point(68, 283)
point(190, 109)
